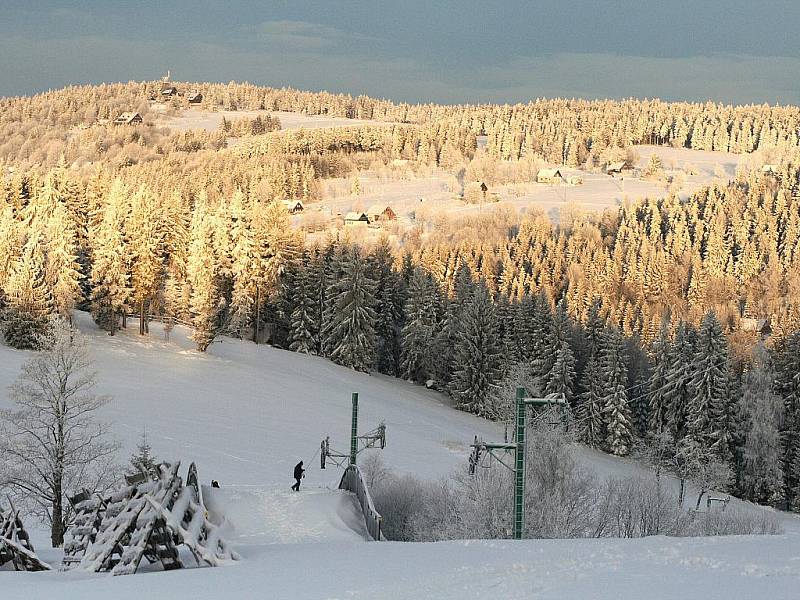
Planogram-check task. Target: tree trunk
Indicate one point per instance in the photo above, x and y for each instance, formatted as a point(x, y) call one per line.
point(258, 315)
point(57, 529)
point(113, 321)
point(141, 316)
point(682, 492)
point(699, 497)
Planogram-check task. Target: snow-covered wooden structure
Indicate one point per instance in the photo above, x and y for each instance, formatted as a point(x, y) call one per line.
point(15, 544)
point(128, 118)
point(356, 219)
point(149, 519)
point(550, 176)
point(380, 212)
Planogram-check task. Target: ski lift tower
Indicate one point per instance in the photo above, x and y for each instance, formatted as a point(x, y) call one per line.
point(517, 448)
point(375, 438)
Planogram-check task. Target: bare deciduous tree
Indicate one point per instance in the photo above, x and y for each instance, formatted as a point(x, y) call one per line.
point(50, 441)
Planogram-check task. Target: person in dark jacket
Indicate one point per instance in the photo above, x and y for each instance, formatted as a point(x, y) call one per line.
point(299, 473)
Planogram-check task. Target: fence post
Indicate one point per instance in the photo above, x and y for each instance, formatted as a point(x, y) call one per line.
point(354, 430)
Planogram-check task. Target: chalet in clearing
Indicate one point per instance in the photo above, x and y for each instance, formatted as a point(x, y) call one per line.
point(356, 219)
point(294, 206)
point(168, 91)
point(616, 168)
point(194, 98)
point(550, 176)
point(381, 212)
point(128, 118)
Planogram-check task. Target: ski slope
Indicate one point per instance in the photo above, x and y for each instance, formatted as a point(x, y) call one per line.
point(246, 414)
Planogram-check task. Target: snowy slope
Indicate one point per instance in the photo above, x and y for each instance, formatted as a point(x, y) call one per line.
point(247, 414)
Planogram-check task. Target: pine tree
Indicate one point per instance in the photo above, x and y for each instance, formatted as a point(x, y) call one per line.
point(143, 461)
point(350, 318)
point(477, 355)
point(657, 386)
point(388, 309)
point(110, 278)
point(590, 402)
point(677, 389)
point(561, 377)
point(28, 298)
point(303, 327)
point(762, 473)
point(709, 410)
point(541, 333)
point(421, 324)
point(142, 228)
point(63, 272)
point(787, 387)
point(618, 414)
point(205, 301)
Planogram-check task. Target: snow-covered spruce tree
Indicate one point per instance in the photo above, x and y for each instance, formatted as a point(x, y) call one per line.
point(422, 322)
point(50, 441)
point(709, 411)
point(619, 438)
point(243, 267)
point(590, 405)
point(679, 375)
point(541, 330)
point(205, 301)
point(63, 271)
point(477, 356)
point(351, 314)
point(9, 246)
point(389, 299)
point(303, 327)
point(27, 297)
point(561, 378)
point(145, 241)
point(762, 473)
point(659, 401)
point(787, 387)
point(110, 277)
point(452, 322)
point(143, 461)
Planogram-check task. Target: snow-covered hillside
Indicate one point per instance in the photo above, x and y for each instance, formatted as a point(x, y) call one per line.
point(247, 414)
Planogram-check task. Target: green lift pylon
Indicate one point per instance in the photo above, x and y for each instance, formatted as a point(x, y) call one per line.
point(518, 448)
point(354, 430)
point(372, 439)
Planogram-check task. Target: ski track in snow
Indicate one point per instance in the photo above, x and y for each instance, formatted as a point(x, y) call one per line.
point(246, 414)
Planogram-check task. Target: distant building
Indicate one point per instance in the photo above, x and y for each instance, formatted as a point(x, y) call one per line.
point(381, 212)
point(616, 168)
point(761, 326)
point(550, 176)
point(128, 118)
point(194, 98)
point(168, 90)
point(770, 169)
point(356, 219)
point(294, 206)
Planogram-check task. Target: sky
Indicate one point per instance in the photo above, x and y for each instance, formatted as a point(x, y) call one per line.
point(733, 51)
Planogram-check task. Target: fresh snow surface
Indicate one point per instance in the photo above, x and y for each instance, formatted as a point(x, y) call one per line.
point(246, 414)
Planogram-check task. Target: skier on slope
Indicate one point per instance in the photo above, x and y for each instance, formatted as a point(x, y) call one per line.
point(299, 473)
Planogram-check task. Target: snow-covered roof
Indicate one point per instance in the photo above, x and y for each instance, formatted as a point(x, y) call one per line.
point(378, 209)
point(356, 216)
point(128, 117)
point(616, 166)
point(550, 173)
